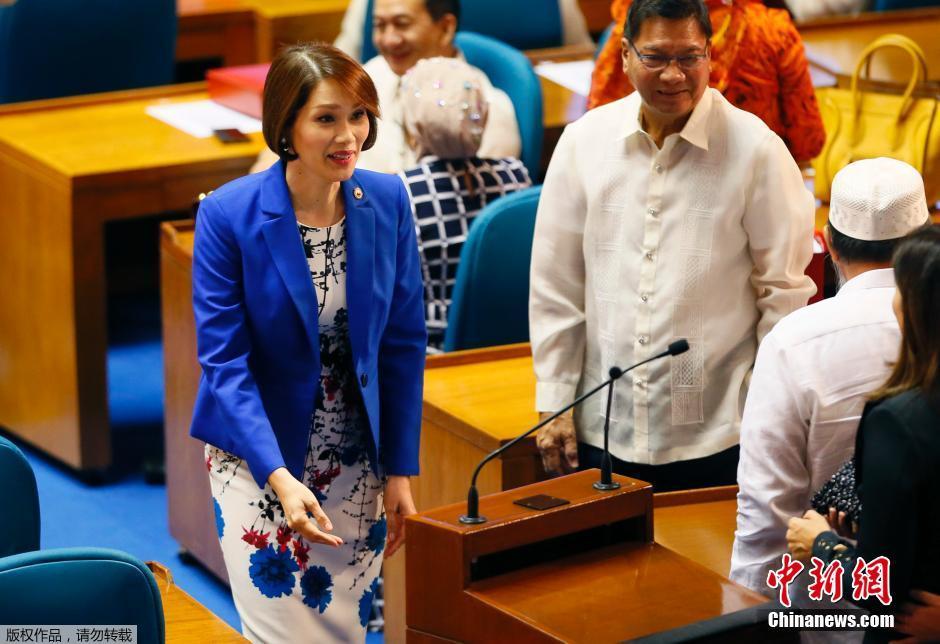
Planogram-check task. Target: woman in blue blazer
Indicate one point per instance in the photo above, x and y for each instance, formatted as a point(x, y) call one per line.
point(310, 324)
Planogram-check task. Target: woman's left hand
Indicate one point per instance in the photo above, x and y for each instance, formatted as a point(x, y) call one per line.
point(398, 505)
point(802, 532)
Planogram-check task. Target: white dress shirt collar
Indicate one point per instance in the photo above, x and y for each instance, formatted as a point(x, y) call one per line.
point(695, 130)
point(878, 278)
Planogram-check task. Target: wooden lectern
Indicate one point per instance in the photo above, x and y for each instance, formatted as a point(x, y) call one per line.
point(586, 571)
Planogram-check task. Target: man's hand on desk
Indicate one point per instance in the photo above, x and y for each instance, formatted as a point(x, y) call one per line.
point(558, 444)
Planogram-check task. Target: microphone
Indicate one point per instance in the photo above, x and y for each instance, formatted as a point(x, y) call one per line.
point(473, 498)
point(607, 481)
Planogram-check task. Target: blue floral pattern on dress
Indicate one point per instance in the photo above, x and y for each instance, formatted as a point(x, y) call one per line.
point(272, 571)
point(316, 585)
point(219, 520)
point(376, 539)
point(365, 602)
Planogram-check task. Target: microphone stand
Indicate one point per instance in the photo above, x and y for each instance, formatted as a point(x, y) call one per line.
point(607, 482)
point(473, 517)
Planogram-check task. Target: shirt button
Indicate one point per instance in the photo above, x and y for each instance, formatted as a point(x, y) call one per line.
point(653, 212)
point(645, 297)
point(640, 383)
point(642, 339)
point(649, 255)
point(659, 168)
point(364, 380)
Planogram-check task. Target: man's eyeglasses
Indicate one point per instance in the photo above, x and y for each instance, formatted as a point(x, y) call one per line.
point(659, 62)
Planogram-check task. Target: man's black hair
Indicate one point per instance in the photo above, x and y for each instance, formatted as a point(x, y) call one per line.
point(439, 8)
point(641, 10)
point(851, 250)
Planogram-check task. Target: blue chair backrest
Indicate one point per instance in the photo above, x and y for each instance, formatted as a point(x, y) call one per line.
point(892, 5)
point(490, 304)
point(19, 511)
point(88, 586)
point(509, 70)
point(51, 48)
point(523, 24)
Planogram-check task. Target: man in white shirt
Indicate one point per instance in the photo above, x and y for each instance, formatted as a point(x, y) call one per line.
point(669, 213)
point(404, 32)
point(574, 30)
point(815, 368)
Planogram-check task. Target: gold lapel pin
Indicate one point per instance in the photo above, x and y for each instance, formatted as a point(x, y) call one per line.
point(357, 192)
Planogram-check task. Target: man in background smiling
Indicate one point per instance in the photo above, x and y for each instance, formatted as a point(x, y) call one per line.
point(404, 32)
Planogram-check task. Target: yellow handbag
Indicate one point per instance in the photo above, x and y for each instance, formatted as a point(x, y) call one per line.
point(863, 124)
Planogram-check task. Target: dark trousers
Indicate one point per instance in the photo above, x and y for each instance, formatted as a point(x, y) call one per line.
point(709, 471)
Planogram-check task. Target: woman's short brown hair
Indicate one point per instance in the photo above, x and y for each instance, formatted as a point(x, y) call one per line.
point(294, 74)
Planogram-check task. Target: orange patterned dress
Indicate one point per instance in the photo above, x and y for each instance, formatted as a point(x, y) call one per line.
point(758, 63)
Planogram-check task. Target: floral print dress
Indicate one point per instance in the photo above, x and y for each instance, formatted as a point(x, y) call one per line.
point(287, 589)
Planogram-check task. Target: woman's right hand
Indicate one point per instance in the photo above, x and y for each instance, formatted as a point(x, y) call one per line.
point(299, 504)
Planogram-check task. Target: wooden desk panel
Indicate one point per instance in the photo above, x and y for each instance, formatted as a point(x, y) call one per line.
point(596, 14)
point(698, 524)
point(243, 32)
point(285, 22)
point(836, 43)
point(189, 503)
point(186, 619)
point(623, 592)
point(67, 167)
point(216, 29)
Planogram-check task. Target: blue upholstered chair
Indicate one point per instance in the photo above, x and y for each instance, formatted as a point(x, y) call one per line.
point(88, 586)
point(19, 511)
point(523, 24)
point(51, 48)
point(509, 70)
point(490, 303)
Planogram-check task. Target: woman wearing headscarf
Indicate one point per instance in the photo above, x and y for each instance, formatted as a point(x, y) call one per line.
point(445, 111)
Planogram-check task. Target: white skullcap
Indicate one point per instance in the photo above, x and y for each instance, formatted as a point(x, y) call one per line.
point(877, 199)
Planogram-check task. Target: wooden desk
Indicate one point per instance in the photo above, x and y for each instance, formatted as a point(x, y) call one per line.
point(596, 14)
point(280, 22)
point(222, 29)
point(698, 524)
point(836, 43)
point(560, 105)
point(186, 619)
point(67, 167)
point(242, 32)
point(188, 494)
point(509, 579)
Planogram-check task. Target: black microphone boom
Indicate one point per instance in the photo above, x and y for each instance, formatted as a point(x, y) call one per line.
point(473, 498)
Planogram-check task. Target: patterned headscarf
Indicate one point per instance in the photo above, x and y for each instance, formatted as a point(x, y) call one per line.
point(444, 110)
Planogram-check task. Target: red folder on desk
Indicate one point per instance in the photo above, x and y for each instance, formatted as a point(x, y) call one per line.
point(239, 88)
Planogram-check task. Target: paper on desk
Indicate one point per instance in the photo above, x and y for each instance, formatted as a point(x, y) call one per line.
point(200, 118)
point(574, 75)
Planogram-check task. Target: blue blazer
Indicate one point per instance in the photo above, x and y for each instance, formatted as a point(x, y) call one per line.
point(256, 322)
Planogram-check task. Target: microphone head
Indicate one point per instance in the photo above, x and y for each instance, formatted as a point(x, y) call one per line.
point(679, 346)
point(615, 372)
